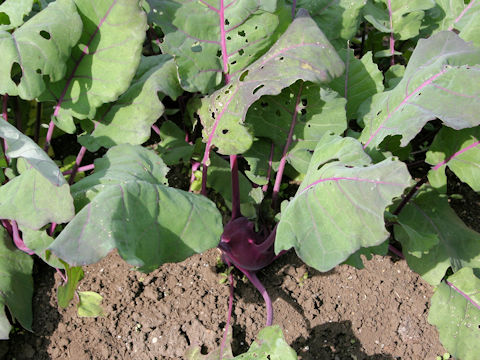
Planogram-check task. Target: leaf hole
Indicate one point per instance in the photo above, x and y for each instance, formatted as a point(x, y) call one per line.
point(304, 102)
point(233, 62)
point(39, 71)
point(4, 19)
point(263, 104)
point(278, 113)
point(256, 27)
point(219, 53)
point(45, 34)
point(229, 38)
point(244, 75)
point(225, 131)
point(227, 22)
point(326, 162)
point(378, 113)
point(281, 58)
point(241, 52)
point(303, 111)
point(258, 88)
point(196, 47)
point(242, 33)
point(213, 115)
point(16, 73)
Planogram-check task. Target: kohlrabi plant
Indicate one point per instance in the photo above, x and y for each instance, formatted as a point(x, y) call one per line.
point(304, 121)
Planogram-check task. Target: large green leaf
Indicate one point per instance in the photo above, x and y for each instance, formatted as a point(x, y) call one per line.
point(208, 38)
point(361, 80)
point(460, 151)
point(65, 292)
point(132, 210)
point(468, 22)
point(338, 20)
point(302, 52)
point(173, 148)
point(12, 13)
point(312, 110)
point(16, 285)
point(455, 311)
point(21, 146)
point(33, 201)
point(434, 238)
point(340, 204)
point(438, 80)
point(406, 16)
point(39, 47)
point(38, 241)
point(130, 118)
point(104, 62)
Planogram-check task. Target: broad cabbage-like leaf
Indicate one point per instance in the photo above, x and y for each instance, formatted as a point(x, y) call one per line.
point(460, 151)
point(434, 238)
point(208, 38)
point(302, 52)
point(441, 77)
point(361, 80)
point(16, 285)
point(130, 118)
point(468, 22)
point(134, 211)
point(455, 311)
point(12, 13)
point(38, 49)
point(340, 204)
point(103, 63)
point(173, 148)
point(38, 241)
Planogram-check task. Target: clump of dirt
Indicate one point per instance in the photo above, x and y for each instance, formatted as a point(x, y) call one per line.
point(376, 313)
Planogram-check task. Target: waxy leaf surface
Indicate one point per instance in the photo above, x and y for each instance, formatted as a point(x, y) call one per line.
point(456, 317)
point(340, 204)
point(16, 285)
point(208, 38)
point(302, 52)
point(103, 63)
point(460, 152)
point(439, 79)
point(434, 238)
point(39, 47)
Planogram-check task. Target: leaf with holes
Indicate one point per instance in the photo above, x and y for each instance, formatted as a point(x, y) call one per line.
point(460, 152)
point(340, 204)
point(16, 285)
point(130, 118)
point(438, 80)
point(104, 61)
point(434, 238)
point(38, 49)
point(302, 52)
point(12, 13)
point(455, 311)
point(361, 80)
point(208, 38)
point(303, 113)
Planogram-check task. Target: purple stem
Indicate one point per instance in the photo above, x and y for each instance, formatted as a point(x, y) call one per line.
point(78, 161)
point(195, 167)
point(80, 169)
point(397, 252)
point(461, 151)
point(268, 302)
point(283, 160)
point(463, 294)
point(229, 314)
point(235, 188)
point(294, 8)
point(462, 14)
point(392, 40)
point(63, 276)
point(48, 138)
point(18, 240)
point(409, 196)
point(269, 171)
point(156, 129)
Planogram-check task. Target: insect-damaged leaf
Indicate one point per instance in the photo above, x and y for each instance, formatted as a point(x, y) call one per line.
point(302, 52)
point(12, 13)
point(340, 204)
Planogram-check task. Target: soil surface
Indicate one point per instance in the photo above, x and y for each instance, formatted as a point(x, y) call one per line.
point(379, 312)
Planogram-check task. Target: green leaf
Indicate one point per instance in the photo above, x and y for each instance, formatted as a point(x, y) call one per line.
point(173, 148)
point(340, 204)
point(21, 146)
point(460, 151)
point(434, 238)
point(438, 80)
point(103, 63)
point(12, 13)
point(38, 48)
point(132, 210)
point(193, 34)
point(406, 16)
point(33, 201)
point(339, 20)
point(456, 317)
point(356, 258)
point(361, 80)
point(130, 118)
point(66, 291)
point(469, 23)
point(16, 284)
point(302, 52)
point(38, 241)
point(90, 304)
point(318, 111)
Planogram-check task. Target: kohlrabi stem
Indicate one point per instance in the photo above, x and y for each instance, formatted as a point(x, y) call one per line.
point(294, 8)
point(18, 240)
point(268, 302)
point(283, 160)
point(392, 39)
point(468, 298)
point(156, 129)
point(63, 276)
point(269, 171)
point(397, 252)
point(229, 314)
point(48, 138)
point(410, 194)
point(235, 188)
point(78, 161)
point(80, 169)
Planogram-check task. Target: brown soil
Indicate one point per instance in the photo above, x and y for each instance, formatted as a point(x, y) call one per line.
point(376, 313)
